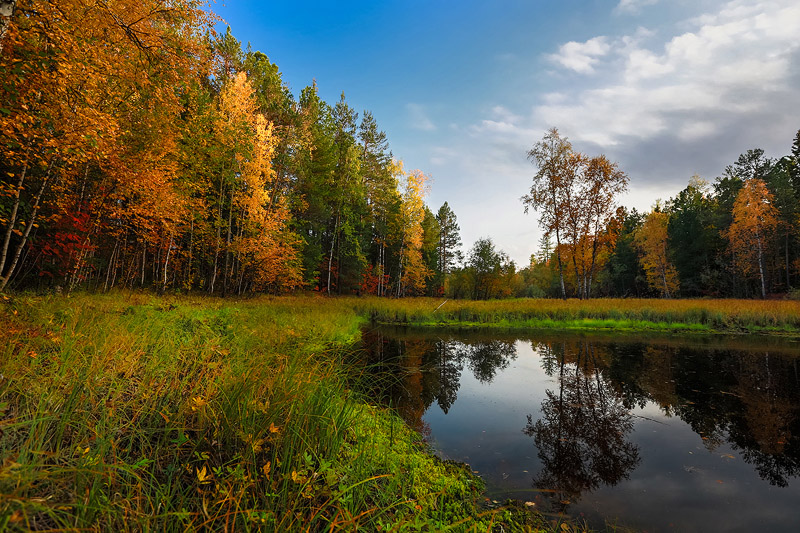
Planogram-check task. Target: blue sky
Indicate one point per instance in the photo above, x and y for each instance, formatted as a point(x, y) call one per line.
point(667, 88)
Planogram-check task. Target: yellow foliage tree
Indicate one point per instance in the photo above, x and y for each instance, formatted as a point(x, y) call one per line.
point(264, 245)
point(651, 240)
point(413, 272)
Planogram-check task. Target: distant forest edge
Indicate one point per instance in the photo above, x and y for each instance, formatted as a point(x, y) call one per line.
point(140, 149)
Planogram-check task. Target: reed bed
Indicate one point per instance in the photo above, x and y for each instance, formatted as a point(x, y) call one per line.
point(729, 316)
point(133, 413)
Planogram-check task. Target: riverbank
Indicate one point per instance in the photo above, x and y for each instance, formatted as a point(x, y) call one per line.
point(619, 315)
point(130, 412)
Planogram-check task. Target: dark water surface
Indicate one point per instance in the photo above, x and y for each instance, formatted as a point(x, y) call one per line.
point(662, 434)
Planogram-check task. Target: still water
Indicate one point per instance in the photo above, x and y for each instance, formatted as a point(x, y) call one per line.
point(663, 434)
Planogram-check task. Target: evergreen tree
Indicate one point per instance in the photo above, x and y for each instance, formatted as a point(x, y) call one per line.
point(449, 254)
point(692, 240)
point(625, 274)
point(430, 246)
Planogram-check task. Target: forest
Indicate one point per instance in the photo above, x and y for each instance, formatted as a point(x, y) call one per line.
point(141, 149)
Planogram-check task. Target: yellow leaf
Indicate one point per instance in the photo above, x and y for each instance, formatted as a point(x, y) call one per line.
point(203, 476)
point(256, 445)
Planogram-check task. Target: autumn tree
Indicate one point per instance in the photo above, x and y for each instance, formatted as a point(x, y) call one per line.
point(754, 220)
point(264, 245)
point(548, 196)
point(91, 108)
point(413, 272)
point(576, 196)
point(651, 240)
point(593, 218)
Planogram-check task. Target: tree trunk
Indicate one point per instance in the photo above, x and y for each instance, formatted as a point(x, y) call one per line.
point(219, 236)
point(330, 255)
point(560, 266)
point(225, 274)
point(6, 12)
point(761, 266)
point(166, 263)
point(29, 226)
point(110, 266)
point(144, 261)
point(13, 217)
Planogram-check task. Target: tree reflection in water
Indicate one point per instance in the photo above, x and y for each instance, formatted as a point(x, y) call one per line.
point(581, 436)
point(747, 398)
point(428, 370)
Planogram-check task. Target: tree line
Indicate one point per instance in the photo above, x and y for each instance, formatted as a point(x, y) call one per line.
point(735, 237)
point(139, 149)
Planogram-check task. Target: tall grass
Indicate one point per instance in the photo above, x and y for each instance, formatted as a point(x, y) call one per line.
point(632, 314)
point(132, 413)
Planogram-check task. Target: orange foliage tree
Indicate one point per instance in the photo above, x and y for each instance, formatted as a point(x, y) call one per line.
point(593, 217)
point(755, 219)
point(91, 100)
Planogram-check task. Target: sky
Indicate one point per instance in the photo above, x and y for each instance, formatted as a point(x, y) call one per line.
point(463, 89)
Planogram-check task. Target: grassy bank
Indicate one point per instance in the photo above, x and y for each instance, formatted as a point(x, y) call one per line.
point(705, 316)
point(129, 413)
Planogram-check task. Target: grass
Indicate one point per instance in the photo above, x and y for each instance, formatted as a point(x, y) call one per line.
point(128, 412)
point(704, 316)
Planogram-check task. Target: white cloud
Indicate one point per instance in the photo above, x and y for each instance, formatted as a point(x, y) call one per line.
point(419, 118)
point(581, 57)
point(665, 104)
point(633, 6)
point(734, 63)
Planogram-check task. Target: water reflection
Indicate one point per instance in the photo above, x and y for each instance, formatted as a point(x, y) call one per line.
point(427, 370)
point(606, 418)
point(581, 435)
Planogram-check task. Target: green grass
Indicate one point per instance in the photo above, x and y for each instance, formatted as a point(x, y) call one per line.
point(703, 316)
point(128, 412)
